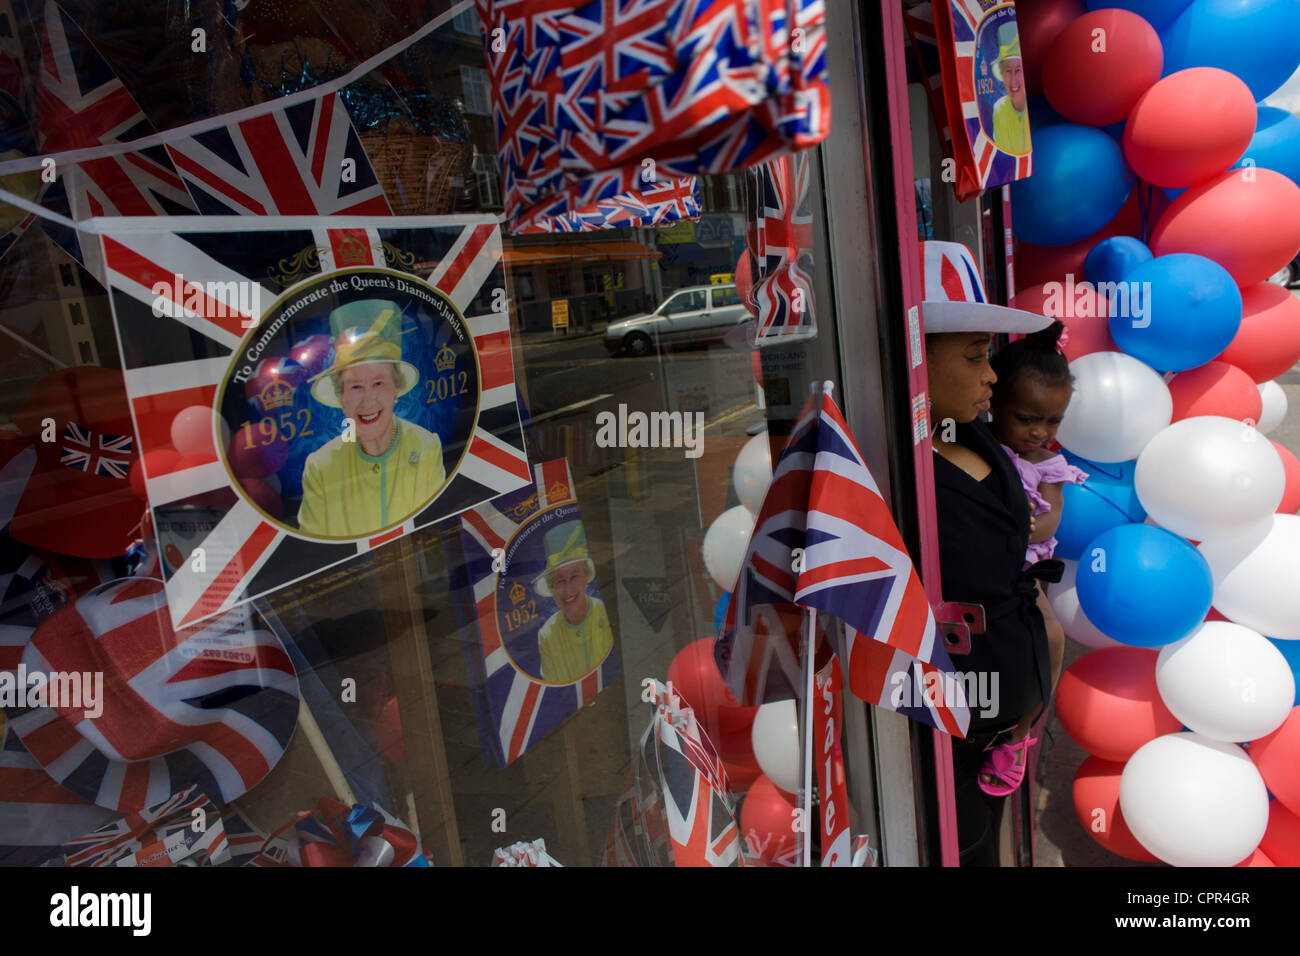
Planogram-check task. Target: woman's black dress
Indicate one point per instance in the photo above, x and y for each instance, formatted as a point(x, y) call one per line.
point(983, 535)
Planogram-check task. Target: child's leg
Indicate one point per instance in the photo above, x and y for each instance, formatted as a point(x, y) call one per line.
point(1055, 638)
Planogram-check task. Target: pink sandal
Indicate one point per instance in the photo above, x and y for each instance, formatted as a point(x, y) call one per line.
point(1006, 765)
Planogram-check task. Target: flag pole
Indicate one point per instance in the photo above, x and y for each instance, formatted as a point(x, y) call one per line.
point(808, 821)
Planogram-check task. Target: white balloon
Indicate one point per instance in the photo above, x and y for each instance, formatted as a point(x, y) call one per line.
point(1193, 801)
point(752, 472)
point(1119, 405)
point(1209, 476)
point(1226, 682)
point(775, 735)
point(725, 543)
point(1257, 576)
point(1274, 399)
point(1064, 600)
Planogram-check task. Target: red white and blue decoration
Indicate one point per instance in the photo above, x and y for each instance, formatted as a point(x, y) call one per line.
point(684, 783)
point(81, 103)
point(783, 246)
point(619, 100)
point(213, 706)
point(850, 562)
point(524, 854)
point(516, 708)
point(214, 273)
point(184, 830)
point(332, 834)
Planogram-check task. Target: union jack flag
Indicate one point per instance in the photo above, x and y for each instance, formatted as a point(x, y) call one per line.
point(338, 836)
point(247, 555)
point(213, 706)
point(852, 564)
point(584, 93)
point(520, 708)
point(80, 102)
point(688, 786)
point(161, 835)
point(96, 453)
point(783, 249)
point(288, 163)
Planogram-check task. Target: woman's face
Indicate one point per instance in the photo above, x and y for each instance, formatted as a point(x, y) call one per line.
point(960, 377)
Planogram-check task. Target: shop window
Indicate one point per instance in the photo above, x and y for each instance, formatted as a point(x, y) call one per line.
point(466, 21)
point(557, 283)
point(477, 90)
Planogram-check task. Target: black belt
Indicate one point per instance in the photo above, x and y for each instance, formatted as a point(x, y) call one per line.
point(1025, 589)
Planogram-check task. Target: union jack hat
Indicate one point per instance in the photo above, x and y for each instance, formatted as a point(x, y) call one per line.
point(212, 706)
point(955, 300)
point(77, 499)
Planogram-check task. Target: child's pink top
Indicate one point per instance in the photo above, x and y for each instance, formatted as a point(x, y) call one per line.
point(1054, 471)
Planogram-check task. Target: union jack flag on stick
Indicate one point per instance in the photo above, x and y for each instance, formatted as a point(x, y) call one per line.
point(824, 539)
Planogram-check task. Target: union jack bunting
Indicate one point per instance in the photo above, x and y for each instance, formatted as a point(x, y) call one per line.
point(585, 93)
point(288, 163)
point(37, 816)
point(80, 102)
point(688, 786)
point(161, 835)
point(212, 706)
point(967, 34)
point(182, 359)
point(332, 834)
point(853, 565)
point(524, 854)
point(516, 708)
point(783, 245)
point(94, 452)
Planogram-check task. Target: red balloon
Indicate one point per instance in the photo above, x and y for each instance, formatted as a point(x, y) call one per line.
point(1215, 388)
point(1250, 226)
point(1080, 307)
point(264, 496)
point(1277, 758)
point(1189, 126)
point(1267, 343)
point(1281, 842)
point(160, 461)
point(1108, 702)
point(1097, 83)
point(745, 282)
point(257, 450)
point(767, 822)
point(1040, 22)
point(1096, 788)
point(1291, 492)
point(738, 760)
point(696, 679)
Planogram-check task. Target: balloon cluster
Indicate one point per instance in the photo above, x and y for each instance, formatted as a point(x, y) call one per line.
point(1160, 181)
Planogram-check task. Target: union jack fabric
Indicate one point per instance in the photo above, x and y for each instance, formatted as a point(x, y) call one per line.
point(593, 101)
point(179, 361)
point(96, 453)
point(80, 102)
point(637, 836)
point(335, 835)
point(957, 27)
point(783, 245)
point(288, 163)
point(688, 786)
point(516, 708)
point(213, 706)
point(524, 854)
point(186, 829)
point(246, 842)
point(852, 564)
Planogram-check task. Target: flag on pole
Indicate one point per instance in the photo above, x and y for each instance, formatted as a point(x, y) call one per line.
point(825, 539)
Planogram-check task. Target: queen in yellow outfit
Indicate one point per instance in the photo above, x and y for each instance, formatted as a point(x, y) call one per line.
point(577, 637)
point(382, 469)
point(1011, 112)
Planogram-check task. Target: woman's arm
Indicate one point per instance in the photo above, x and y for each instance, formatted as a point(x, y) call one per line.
point(1045, 524)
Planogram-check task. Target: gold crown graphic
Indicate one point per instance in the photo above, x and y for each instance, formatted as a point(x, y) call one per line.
point(445, 360)
point(351, 250)
point(277, 394)
point(517, 593)
point(558, 491)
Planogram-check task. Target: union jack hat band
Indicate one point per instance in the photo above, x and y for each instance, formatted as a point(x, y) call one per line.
point(955, 300)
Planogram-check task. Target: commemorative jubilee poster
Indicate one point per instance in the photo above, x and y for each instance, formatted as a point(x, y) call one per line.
point(352, 383)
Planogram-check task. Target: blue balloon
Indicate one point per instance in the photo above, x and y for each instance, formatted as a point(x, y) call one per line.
point(1158, 13)
point(1291, 651)
point(1113, 259)
point(1276, 143)
point(1256, 40)
point(720, 612)
point(1183, 310)
point(1143, 585)
point(1106, 500)
point(1080, 182)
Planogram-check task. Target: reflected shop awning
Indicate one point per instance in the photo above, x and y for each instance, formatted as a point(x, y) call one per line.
point(550, 253)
